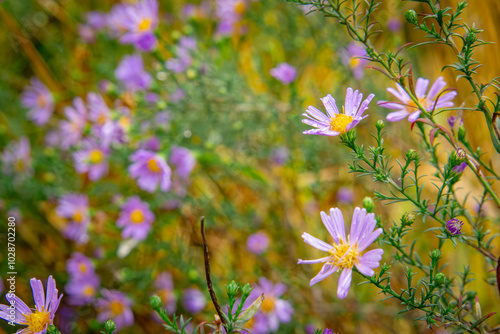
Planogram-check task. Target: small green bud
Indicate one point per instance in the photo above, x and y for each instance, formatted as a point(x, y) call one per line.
point(232, 289)
point(440, 278)
point(110, 326)
point(155, 302)
point(176, 35)
point(412, 155)
point(380, 124)
point(368, 204)
point(348, 138)
point(411, 17)
point(408, 218)
point(470, 38)
point(246, 289)
point(461, 133)
point(435, 255)
point(52, 330)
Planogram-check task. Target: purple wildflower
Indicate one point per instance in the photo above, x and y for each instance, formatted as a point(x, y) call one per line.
point(82, 291)
point(394, 24)
point(275, 309)
point(164, 286)
point(429, 101)
point(454, 226)
point(75, 208)
point(345, 252)
point(184, 59)
point(39, 318)
point(99, 112)
point(96, 19)
point(459, 168)
point(257, 243)
point(132, 75)
point(337, 123)
point(117, 18)
point(183, 160)
point(352, 56)
point(16, 158)
point(92, 159)
point(345, 195)
point(38, 99)
point(72, 128)
point(117, 306)
point(280, 155)
point(150, 170)
point(285, 73)
point(229, 13)
point(141, 21)
point(79, 266)
point(136, 218)
point(193, 300)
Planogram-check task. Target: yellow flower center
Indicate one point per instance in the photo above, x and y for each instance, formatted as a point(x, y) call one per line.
point(267, 305)
point(344, 255)
point(78, 216)
point(116, 308)
point(340, 122)
point(41, 101)
point(89, 291)
point(144, 25)
point(96, 156)
point(101, 119)
point(124, 121)
point(136, 216)
point(354, 62)
point(83, 267)
point(240, 7)
point(19, 166)
point(37, 321)
point(153, 165)
point(412, 106)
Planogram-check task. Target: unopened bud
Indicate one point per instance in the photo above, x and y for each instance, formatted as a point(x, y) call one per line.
point(440, 278)
point(408, 218)
point(411, 17)
point(368, 204)
point(380, 124)
point(470, 38)
point(110, 326)
point(155, 302)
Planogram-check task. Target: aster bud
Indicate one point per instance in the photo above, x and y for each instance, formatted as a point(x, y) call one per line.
point(457, 157)
point(232, 289)
point(470, 38)
point(412, 155)
point(52, 330)
point(454, 226)
point(246, 289)
point(368, 204)
point(435, 255)
point(110, 326)
point(477, 306)
point(440, 278)
point(380, 124)
point(411, 17)
point(461, 133)
point(408, 218)
point(155, 302)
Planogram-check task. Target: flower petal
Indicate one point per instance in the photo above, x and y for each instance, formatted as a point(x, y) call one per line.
point(330, 105)
point(315, 242)
point(344, 283)
point(326, 271)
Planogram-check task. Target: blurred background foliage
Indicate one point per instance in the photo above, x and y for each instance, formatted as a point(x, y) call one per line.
point(236, 119)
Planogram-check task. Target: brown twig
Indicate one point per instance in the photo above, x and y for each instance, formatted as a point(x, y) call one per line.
point(206, 253)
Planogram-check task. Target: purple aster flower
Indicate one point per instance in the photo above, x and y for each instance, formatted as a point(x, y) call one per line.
point(454, 226)
point(117, 18)
point(229, 13)
point(150, 170)
point(345, 252)
point(151, 144)
point(193, 300)
point(328, 331)
point(99, 112)
point(75, 208)
point(96, 19)
point(132, 75)
point(434, 99)
point(141, 21)
point(280, 155)
point(345, 195)
point(82, 291)
point(38, 99)
point(452, 121)
point(257, 243)
point(183, 161)
point(336, 123)
point(86, 33)
point(459, 168)
point(117, 306)
point(275, 309)
point(285, 73)
point(164, 286)
point(92, 159)
point(16, 158)
point(183, 61)
point(79, 266)
point(72, 128)
point(394, 24)
point(39, 318)
point(136, 218)
point(352, 56)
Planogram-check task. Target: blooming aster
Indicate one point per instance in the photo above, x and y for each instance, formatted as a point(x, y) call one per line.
point(136, 218)
point(183, 160)
point(346, 252)
point(117, 306)
point(38, 99)
point(352, 56)
point(229, 13)
point(164, 286)
point(257, 243)
point(336, 123)
point(83, 291)
point(75, 207)
point(39, 318)
point(193, 300)
point(140, 23)
point(132, 75)
point(284, 72)
point(150, 170)
point(430, 101)
point(92, 159)
point(16, 158)
point(99, 112)
point(275, 309)
point(72, 128)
